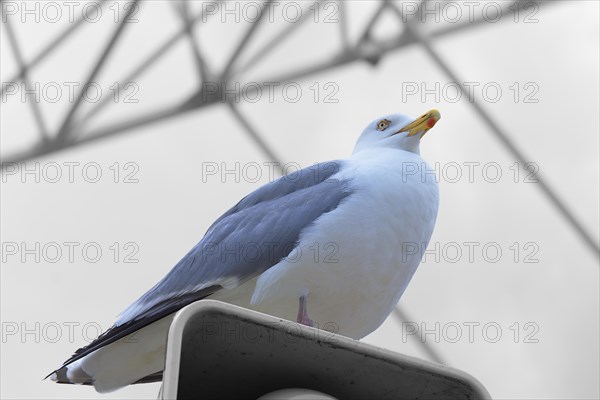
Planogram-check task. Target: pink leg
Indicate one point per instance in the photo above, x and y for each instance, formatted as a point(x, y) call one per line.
point(303, 313)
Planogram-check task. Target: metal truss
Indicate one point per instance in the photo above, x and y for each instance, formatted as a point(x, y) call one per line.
point(365, 49)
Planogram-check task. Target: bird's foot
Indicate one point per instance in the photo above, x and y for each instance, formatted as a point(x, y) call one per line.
point(305, 321)
point(303, 313)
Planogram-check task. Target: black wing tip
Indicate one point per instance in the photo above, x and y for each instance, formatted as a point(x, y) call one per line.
point(58, 376)
point(117, 332)
point(48, 376)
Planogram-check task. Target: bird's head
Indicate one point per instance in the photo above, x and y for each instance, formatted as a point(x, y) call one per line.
point(397, 131)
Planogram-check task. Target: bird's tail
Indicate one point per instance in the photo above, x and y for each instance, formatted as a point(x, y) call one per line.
point(72, 373)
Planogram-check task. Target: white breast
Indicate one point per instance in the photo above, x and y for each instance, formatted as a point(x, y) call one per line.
point(356, 261)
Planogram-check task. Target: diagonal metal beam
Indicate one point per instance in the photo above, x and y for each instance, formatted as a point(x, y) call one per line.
point(343, 22)
point(506, 141)
point(49, 48)
point(376, 15)
point(253, 133)
point(245, 40)
point(272, 44)
point(129, 125)
point(143, 66)
point(37, 114)
point(184, 12)
point(64, 130)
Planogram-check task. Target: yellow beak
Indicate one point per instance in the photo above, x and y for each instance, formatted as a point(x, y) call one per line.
point(422, 124)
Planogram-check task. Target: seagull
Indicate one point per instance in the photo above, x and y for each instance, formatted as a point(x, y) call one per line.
point(332, 244)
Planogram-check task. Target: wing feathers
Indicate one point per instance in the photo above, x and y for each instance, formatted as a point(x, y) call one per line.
point(248, 239)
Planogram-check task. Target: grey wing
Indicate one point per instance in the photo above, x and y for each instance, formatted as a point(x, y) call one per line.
point(251, 237)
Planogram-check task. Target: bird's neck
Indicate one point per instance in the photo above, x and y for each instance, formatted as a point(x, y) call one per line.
point(361, 150)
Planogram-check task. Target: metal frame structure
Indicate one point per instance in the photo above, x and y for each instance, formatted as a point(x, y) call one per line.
point(365, 49)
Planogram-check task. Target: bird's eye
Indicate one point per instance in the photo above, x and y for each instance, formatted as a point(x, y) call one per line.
point(383, 124)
